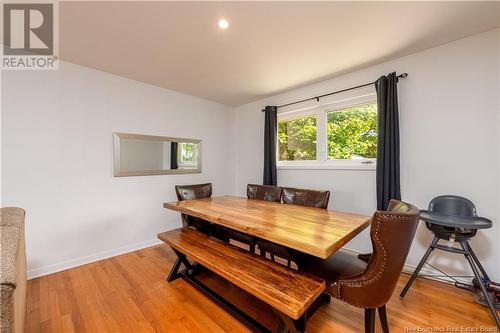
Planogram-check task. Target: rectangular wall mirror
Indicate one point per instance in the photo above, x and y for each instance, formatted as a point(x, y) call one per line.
point(143, 155)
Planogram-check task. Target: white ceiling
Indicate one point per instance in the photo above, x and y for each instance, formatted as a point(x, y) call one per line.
point(269, 47)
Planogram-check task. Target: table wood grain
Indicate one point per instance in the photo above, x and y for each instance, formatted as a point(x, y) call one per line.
point(314, 231)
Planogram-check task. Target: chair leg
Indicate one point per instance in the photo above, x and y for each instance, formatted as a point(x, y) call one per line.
point(369, 320)
point(419, 267)
point(481, 284)
point(383, 319)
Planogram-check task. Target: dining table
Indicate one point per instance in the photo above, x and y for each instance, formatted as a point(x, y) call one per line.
point(313, 231)
point(306, 231)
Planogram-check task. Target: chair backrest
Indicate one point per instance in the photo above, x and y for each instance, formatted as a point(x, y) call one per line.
point(452, 205)
point(391, 233)
point(309, 198)
point(190, 192)
point(264, 192)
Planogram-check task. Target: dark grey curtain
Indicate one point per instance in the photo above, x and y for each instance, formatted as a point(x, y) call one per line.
point(388, 183)
point(270, 129)
point(173, 155)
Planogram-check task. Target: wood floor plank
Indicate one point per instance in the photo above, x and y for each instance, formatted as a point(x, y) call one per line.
point(129, 293)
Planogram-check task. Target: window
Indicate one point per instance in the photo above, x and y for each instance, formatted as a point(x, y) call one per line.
point(352, 133)
point(297, 138)
point(187, 154)
point(337, 134)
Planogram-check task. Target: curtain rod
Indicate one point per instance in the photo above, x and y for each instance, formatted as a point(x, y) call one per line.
point(401, 76)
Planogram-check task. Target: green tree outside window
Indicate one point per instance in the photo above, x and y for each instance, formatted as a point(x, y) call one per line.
point(297, 139)
point(352, 132)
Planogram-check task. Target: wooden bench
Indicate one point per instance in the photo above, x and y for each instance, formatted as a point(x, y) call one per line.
point(289, 292)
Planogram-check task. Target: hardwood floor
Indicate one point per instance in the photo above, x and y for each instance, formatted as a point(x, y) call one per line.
point(129, 293)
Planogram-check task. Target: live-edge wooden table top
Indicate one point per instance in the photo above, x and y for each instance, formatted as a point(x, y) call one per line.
point(314, 231)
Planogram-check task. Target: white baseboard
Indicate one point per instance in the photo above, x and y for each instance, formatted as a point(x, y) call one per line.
point(426, 271)
point(61, 266)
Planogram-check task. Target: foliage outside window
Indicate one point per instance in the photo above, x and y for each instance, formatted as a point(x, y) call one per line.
point(352, 133)
point(338, 134)
point(187, 154)
point(297, 139)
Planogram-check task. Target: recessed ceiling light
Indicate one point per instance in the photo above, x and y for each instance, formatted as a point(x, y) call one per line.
point(223, 24)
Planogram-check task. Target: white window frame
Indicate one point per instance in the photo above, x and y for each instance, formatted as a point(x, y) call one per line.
point(320, 110)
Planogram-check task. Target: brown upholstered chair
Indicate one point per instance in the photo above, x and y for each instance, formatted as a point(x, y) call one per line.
point(308, 198)
point(294, 196)
point(264, 192)
point(394, 206)
point(256, 192)
point(191, 192)
point(370, 285)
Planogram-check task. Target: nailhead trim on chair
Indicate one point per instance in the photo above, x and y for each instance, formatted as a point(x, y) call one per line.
point(342, 283)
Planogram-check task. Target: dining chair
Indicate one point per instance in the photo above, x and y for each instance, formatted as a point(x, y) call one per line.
point(308, 198)
point(370, 285)
point(294, 196)
point(394, 208)
point(264, 192)
point(255, 192)
point(197, 191)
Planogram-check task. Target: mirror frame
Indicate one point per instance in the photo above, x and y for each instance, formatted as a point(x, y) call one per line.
point(116, 155)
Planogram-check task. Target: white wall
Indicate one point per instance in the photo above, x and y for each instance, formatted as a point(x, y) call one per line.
point(449, 111)
point(57, 160)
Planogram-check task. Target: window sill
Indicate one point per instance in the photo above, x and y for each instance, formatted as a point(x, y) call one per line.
point(327, 166)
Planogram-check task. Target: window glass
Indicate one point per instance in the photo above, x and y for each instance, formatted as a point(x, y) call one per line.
point(297, 138)
point(352, 133)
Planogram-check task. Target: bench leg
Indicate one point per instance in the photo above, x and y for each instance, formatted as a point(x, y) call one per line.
point(174, 272)
point(323, 298)
point(227, 306)
point(287, 324)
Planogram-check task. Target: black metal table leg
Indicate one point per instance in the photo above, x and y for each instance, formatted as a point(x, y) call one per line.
point(419, 267)
point(241, 316)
